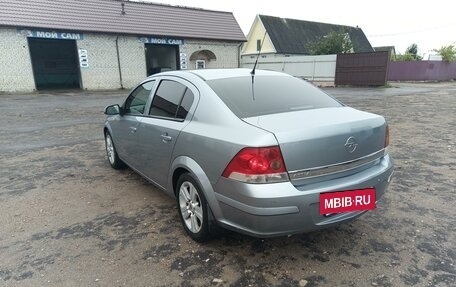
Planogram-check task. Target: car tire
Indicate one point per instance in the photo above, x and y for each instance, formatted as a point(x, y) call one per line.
point(111, 152)
point(192, 207)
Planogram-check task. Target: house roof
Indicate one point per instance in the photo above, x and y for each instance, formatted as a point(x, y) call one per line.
point(291, 36)
point(106, 16)
point(385, 48)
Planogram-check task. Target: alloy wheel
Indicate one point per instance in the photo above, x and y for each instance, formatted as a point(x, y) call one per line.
point(110, 149)
point(191, 207)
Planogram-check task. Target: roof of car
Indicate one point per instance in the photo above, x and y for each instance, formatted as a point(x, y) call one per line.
point(214, 74)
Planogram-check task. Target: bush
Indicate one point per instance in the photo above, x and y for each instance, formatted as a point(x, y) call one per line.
point(405, 57)
point(336, 42)
point(448, 53)
point(411, 54)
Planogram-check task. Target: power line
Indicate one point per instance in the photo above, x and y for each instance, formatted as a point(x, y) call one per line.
point(413, 32)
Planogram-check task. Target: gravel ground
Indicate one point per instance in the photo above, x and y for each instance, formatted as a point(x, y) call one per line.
point(68, 219)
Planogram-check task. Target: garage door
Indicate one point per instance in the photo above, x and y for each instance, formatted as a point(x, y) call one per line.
point(55, 63)
point(161, 58)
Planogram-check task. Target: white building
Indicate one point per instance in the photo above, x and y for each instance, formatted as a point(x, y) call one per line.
point(108, 44)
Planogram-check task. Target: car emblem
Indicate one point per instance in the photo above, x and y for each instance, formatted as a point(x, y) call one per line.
point(351, 144)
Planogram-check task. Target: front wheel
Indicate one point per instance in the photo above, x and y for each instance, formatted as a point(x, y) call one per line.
point(111, 152)
point(192, 208)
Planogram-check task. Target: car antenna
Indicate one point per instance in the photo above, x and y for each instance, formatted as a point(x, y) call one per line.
point(254, 66)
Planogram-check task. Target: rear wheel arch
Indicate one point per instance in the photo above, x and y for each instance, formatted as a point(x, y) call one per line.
point(185, 164)
point(192, 208)
point(176, 175)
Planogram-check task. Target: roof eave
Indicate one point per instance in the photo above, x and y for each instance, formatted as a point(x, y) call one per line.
point(243, 39)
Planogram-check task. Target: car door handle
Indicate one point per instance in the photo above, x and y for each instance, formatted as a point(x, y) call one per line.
point(132, 129)
point(166, 138)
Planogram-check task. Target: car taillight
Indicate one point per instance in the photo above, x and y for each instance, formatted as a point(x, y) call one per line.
point(387, 136)
point(257, 165)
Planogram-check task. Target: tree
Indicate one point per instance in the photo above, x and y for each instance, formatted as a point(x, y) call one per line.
point(413, 50)
point(411, 54)
point(336, 42)
point(448, 53)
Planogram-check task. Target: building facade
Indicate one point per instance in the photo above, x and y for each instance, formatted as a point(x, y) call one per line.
point(283, 37)
point(111, 45)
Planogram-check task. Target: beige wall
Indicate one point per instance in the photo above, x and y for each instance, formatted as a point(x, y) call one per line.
point(227, 53)
point(16, 72)
point(257, 33)
point(103, 69)
point(132, 61)
point(102, 72)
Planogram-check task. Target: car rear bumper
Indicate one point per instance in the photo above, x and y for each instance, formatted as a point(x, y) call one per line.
point(267, 210)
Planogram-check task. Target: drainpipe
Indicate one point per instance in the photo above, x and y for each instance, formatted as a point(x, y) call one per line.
point(239, 54)
point(118, 62)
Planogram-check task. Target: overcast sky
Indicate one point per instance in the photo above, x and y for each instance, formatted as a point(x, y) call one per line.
point(429, 24)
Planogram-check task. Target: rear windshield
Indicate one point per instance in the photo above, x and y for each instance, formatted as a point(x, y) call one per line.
point(269, 95)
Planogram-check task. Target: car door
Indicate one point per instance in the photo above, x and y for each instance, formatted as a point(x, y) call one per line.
point(125, 129)
point(158, 132)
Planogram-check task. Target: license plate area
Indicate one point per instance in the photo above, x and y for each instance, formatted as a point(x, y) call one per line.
point(346, 201)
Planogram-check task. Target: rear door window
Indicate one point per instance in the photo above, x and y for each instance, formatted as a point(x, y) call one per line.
point(269, 95)
point(171, 100)
point(186, 103)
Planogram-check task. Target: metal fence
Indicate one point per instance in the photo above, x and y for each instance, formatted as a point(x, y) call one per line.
point(422, 71)
point(318, 69)
point(362, 69)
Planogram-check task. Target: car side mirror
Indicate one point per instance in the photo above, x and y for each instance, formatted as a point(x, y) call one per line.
point(112, 110)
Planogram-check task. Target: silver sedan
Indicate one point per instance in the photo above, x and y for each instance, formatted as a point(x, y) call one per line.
point(263, 153)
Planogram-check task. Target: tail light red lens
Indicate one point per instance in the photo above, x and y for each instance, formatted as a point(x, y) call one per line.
point(257, 165)
point(387, 136)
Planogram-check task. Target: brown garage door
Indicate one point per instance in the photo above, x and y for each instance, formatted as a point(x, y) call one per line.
point(362, 69)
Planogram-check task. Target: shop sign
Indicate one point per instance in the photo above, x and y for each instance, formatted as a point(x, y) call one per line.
point(183, 61)
point(50, 34)
point(83, 58)
point(162, 41)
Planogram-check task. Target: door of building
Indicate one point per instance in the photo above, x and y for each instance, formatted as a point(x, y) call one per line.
point(55, 63)
point(161, 58)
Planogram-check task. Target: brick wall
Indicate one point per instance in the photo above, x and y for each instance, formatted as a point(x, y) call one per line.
point(103, 70)
point(16, 72)
point(227, 53)
point(132, 61)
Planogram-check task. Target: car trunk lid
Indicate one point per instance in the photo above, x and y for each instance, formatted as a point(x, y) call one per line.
point(319, 138)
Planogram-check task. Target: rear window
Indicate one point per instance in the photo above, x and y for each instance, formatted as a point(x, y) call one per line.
point(269, 95)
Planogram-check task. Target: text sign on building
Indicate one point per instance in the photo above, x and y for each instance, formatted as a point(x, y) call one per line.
point(161, 41)
point(183, 61)
point(50, 34)
point(83, 58)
